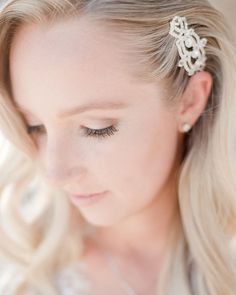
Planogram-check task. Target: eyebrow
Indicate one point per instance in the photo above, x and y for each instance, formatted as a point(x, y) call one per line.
point(101, 105)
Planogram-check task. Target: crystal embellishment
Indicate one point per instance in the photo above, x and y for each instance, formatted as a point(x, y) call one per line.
point(190, 46)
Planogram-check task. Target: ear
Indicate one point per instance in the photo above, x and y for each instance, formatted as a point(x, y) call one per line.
point(194, 98)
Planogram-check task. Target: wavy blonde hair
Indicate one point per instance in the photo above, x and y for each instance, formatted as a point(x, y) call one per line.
point(35, 218)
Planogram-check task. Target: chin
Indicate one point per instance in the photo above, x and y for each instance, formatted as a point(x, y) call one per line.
point(102, 220)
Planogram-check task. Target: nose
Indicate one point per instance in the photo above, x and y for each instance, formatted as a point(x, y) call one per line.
point(62, 177)
point(55, 177)
point(59, 165)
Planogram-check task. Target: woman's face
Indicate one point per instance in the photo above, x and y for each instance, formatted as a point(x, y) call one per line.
point(72, 64)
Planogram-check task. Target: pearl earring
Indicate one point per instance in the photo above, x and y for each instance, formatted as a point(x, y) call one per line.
point(186, 127)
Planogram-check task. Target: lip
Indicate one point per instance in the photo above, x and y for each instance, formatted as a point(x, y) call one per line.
point(87, 199)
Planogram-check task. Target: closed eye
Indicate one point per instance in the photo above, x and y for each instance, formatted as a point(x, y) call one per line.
point(108, 131)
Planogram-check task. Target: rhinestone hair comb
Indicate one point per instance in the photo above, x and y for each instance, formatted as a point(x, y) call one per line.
point(189, 44)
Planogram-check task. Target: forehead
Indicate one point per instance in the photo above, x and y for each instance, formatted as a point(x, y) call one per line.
point(51, 62)
point(77, 43)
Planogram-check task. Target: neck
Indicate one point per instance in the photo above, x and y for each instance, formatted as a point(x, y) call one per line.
point(144, 235)
point(140, 253)
point(140, 243)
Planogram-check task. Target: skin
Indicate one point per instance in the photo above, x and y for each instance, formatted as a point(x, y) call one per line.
point(52, 72)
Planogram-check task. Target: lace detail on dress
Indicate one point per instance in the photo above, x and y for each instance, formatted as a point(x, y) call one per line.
point(73, 281)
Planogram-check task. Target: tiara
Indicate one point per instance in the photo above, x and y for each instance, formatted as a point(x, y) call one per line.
point(189, 44)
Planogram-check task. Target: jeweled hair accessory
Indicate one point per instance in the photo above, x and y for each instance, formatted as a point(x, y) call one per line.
point(189, 44)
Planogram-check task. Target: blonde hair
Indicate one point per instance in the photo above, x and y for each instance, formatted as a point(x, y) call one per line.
point(200, 260)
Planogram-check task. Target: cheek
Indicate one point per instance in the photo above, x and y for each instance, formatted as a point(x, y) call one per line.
point(134, 169)
point(141, 163)
point(148, 167)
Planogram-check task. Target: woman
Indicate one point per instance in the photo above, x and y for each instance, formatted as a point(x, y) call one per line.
point(120, 173)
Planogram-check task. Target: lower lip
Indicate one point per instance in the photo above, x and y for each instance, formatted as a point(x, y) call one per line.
point(87, 200)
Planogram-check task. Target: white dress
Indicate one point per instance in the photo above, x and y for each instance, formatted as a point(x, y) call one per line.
point(72, 280)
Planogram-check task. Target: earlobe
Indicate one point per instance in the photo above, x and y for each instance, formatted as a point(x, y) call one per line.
point(195, 98)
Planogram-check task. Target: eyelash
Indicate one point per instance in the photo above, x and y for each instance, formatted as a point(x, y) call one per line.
point(99, 133)
point(108, 131)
